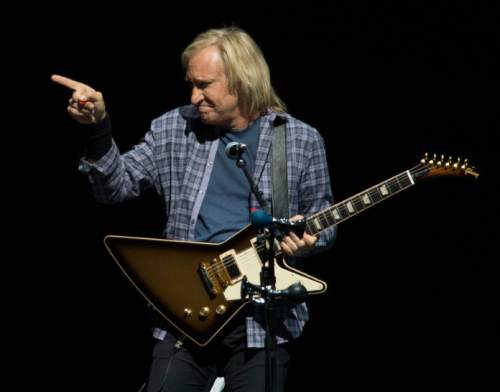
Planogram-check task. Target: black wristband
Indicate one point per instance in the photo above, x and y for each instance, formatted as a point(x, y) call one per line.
point(99, 139)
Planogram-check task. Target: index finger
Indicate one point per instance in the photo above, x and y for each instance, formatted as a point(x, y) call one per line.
point(66, 82)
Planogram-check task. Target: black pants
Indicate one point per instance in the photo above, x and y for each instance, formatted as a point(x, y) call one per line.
point(193, 368)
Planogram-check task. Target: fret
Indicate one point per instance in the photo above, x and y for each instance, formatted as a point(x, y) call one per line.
point(358, 202)
point(350, 207)
point(330, 220)
point(384, 191)
point(344, 214)
point(316, 224)
point(323, 218)
point(410, 177)
point(375, 195)
point(309, 227)
point(365, 198)
point(393, 186)
point(404, 180)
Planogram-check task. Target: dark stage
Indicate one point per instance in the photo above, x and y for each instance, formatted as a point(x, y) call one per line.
point(413, 283)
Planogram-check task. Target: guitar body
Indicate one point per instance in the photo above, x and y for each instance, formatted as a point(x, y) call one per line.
point(196, 286)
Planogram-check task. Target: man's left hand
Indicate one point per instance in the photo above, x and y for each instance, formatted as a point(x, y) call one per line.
point(293, 245)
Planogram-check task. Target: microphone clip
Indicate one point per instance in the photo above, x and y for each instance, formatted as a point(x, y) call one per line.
point(261, 218)
point(234, 150)
point(296, 293)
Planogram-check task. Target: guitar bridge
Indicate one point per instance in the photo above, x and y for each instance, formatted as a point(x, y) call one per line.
point(220, 273)
point(206, 278)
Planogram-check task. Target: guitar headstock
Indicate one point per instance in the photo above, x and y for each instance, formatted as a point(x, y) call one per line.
point(441, 166)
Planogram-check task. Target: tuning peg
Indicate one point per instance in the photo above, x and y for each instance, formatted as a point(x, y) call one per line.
point(433, 160)
point(466, 163)
point(456, 165)
point(440, 162)
point(448, 164)
point(423, 161)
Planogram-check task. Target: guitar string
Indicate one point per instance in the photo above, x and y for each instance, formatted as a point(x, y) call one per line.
point(243, 258)
point(417, 170)
point(326, 213)
point(215, 269)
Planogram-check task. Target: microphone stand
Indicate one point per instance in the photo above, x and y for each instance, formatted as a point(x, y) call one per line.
point(266, 295)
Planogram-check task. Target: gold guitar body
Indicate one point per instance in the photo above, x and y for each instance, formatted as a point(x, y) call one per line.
point(196, 286)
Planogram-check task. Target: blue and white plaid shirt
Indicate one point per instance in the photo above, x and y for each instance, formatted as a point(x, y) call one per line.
point(176, 157)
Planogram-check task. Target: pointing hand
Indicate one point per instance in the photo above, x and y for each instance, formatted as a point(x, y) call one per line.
point(86, 105)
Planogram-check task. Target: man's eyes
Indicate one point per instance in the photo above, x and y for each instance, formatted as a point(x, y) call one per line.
point(200, 85)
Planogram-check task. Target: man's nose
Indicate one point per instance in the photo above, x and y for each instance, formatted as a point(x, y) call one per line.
point(196, 95)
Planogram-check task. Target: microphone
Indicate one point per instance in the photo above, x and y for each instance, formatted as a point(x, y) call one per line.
point(261, 218)
point(295, 293)
point(235, 149)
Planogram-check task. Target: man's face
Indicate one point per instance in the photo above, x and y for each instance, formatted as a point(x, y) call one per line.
point(210, 93)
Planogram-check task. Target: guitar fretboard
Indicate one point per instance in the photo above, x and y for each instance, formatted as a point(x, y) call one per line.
point(354, 205)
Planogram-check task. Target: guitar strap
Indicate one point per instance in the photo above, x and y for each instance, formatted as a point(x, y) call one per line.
point(279, 171)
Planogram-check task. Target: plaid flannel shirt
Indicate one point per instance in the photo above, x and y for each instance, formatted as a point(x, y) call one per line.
point(176, 157)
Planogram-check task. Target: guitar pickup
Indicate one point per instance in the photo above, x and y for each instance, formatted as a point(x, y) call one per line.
point(227, 269)
point(220, 273)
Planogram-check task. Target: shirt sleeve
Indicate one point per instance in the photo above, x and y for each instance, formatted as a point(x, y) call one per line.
point(115, 178)
point(315, 190)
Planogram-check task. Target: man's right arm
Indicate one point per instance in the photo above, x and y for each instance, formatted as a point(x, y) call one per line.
point(113, 178)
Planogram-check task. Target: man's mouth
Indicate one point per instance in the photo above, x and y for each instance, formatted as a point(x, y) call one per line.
point(204, 109)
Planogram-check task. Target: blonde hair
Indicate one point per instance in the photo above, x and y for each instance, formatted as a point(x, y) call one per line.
point(245, 68)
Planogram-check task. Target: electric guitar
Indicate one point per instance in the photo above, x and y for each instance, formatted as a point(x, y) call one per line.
point(197, 287)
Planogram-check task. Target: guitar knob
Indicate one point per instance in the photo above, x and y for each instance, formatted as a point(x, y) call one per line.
point(187, 312)
point(221, 309)
point(204, 311)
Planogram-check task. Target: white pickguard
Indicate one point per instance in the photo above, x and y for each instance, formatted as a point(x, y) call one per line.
point(250, 265)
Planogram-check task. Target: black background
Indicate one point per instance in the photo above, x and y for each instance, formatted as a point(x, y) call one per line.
point(413, 283)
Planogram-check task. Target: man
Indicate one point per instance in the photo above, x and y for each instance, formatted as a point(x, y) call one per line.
point(207, 198)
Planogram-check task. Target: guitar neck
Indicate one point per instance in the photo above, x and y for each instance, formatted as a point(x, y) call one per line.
point(360, 202)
